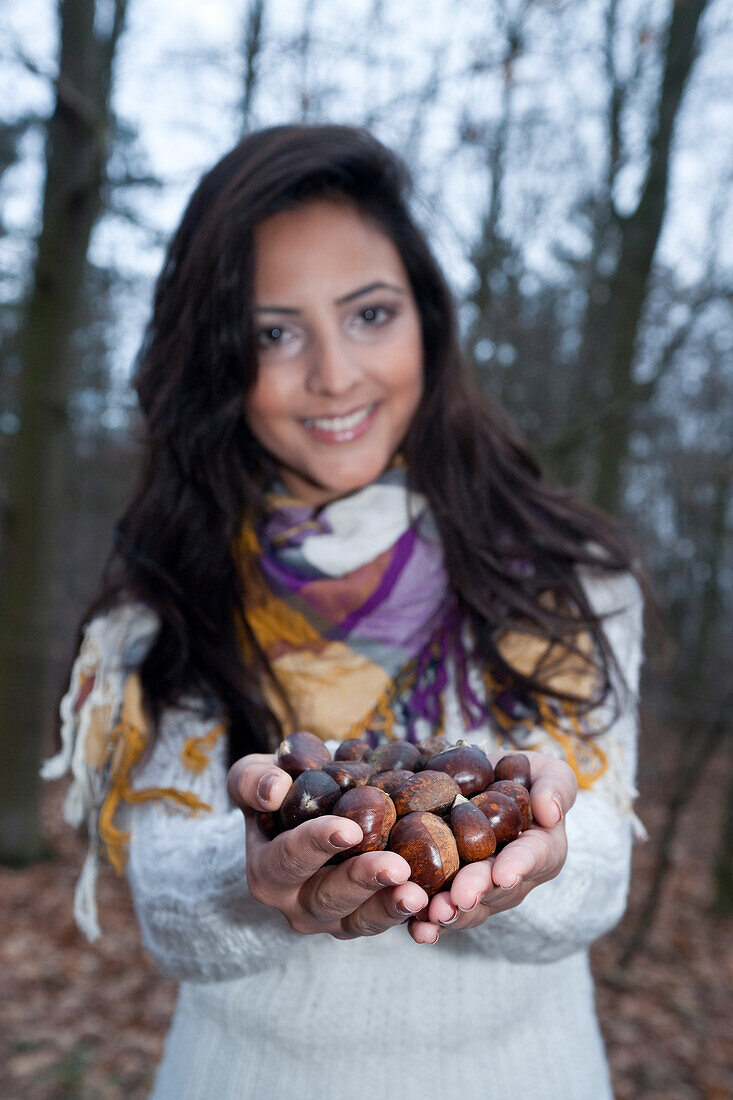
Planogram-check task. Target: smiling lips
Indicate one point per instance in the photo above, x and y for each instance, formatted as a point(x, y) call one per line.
point(341, 429)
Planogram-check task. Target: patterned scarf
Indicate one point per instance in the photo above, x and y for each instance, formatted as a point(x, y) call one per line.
point(352, 606)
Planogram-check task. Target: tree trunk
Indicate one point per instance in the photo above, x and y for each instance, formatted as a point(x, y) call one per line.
point(252, 44)
point(76, 158)
point(712, 596)
point(723, 903)
point(625, 292)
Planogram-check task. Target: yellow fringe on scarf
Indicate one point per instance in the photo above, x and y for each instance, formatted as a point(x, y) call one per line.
point(585, 756)
point(129, 741)
point(193, 753)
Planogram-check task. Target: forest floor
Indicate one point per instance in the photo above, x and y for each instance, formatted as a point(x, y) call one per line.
point(88, 1022)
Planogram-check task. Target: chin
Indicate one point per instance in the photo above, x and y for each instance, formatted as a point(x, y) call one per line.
point(351, 481)
point(350, 484)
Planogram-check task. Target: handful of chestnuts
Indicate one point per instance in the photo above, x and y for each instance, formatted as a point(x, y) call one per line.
point(437, 805)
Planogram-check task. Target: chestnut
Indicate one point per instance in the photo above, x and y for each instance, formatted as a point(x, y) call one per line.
point(433, 745)
point(373, 811)
point(269, 822)
point(475, 839)
point(301, 751)
point(503, 814)
point(519, 793)
point(433, 792)
point(514, 767)
point(397, 755)
point(468, 765)
point(389, 781)
point(354, 748)
point(429, 846)
point(312, 794)
point(349, 773)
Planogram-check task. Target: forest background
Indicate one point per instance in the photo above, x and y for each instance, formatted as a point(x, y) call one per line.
point(573, 161)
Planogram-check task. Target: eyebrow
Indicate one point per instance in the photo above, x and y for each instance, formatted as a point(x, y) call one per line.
point(338, 302)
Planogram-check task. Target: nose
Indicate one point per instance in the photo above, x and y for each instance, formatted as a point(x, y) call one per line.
point(333, 369)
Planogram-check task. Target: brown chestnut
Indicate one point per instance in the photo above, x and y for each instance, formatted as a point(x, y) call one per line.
point(468, 765)
point(397, 755)
point(301, 751)
point(519, 794)
point(515, 768)
point(433, 745)
point(389, 781)
point(433, 792)
point(373, 811)
point(429, 846)
point(503, 814)
point(312, 794)
point(349, 773)
point(475, 839)
point(269, 822)
point(354, 748)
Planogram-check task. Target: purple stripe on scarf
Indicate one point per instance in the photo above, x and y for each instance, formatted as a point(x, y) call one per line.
point(282, 579)
point(400, 556)
point(408, 617)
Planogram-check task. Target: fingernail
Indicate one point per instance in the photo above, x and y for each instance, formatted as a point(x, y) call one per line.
point(406, 909)
point(470, 907)
point(338, 840)
point(266, 786)
point(558, 807)
point(450, 919)
point(515, 881)
point(434, 939)
point(387, 878)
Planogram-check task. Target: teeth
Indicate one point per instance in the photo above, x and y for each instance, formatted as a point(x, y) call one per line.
point(340, 423)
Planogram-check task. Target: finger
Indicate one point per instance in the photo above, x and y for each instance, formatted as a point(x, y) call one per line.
point(450, 919)
point(442, 910)
point(447, 916)
point(336, 892)
point(384, 910)
point(498, 900)
point(423, 931)
point(293, 856)
point(536, 855)
point(470, 884)
point(256, 783)
point(554, 788)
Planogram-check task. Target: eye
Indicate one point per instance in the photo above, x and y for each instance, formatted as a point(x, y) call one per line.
point(375, 316)
point(273, 334)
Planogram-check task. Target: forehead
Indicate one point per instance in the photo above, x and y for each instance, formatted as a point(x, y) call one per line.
point(324, 247)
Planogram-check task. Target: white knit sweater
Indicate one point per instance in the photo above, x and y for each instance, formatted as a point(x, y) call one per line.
point(265, 1013)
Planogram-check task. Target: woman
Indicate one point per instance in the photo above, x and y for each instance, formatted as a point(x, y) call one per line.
point(335, 531)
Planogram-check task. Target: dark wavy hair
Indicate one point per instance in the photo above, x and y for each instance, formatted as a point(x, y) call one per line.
point(203, 471)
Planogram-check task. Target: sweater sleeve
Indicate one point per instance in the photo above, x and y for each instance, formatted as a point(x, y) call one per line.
point(187, 874)
point(167, 819)
point(588, 897)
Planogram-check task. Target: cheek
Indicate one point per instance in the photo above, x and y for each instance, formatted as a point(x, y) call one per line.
point(407, 363)
point(406, 376)
point(270, 400)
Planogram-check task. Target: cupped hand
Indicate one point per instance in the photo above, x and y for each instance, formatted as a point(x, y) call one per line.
point(363, 896)
point(495, 885)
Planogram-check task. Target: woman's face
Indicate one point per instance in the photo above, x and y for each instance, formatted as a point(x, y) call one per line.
point(340, 363)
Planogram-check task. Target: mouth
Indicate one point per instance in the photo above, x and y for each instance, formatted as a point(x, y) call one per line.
point(341, 429)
